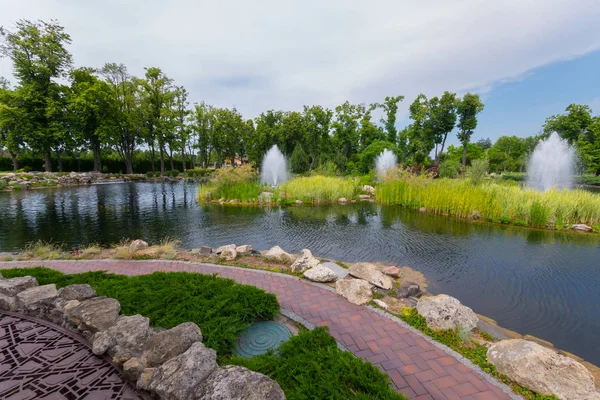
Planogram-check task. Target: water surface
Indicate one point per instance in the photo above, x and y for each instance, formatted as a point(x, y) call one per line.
point(536, 282)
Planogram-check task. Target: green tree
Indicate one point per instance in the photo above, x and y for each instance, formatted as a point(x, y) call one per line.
point(442, 118)
point(474, 152)
point(39, 55)
point(318, 123)
point(390, 108)
point(299, 161)
point(368, 132)
point(467, 110)
point(572, 124)
point(345, 128)
point(368, 155)
point(419, 133)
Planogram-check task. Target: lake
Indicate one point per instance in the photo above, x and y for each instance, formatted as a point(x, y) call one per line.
point(536, 282)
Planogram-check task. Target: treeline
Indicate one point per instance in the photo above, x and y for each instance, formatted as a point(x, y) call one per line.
point(59, 113)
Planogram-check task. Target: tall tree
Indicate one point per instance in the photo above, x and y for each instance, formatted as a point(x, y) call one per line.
point(39, 55)
point(390, 108)
point(419, 133)
point(12, 122)
point(345, 128)
point(467, 110)
point(202, 126)
point(442, 114)
point(318, 140)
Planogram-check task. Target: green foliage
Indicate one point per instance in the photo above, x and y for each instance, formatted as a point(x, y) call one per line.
point(3, 184)
point(467, 110)
point(150, 174)
point(318, 189)
point(368, 155)
point(299, 161)
point(175, 173)
point(198, 172)
point(478, 171)
point(221, 308)
point(449, 168)
point(538, 215)
point(310, 366)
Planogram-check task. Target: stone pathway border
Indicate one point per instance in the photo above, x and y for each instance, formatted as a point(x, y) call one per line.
point(417, 365)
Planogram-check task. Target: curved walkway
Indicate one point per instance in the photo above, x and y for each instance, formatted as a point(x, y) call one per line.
point(41, 360)
point(417, 367)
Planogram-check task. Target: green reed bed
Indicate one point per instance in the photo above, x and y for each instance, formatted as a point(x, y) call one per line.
point(492, 201)
point(318, 189)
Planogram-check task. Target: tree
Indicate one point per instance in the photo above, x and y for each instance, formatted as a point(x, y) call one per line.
point(474, 152)
point(368, 155)
point(368, 132)
point(299, 161)
point(202, 125)
point(345, 128)
point(390, 108)
point(182, 130)
point(39, 55)
point(467, 110)
point(12, 122)
point(484, 143)
point(318, 122)
point(442, 118)
point(571, 125)
point(419, 133)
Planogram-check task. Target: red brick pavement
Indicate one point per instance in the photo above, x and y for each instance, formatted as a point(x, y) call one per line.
point(416, 367)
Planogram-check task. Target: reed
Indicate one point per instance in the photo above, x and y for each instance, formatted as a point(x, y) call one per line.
point(493, 201)
point(318, 189)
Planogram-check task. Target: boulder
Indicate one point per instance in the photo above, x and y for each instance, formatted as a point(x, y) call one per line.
point(77, 292)
point(381, 304)
point(422, 209)
point(145, 378)
point(364, 196)
point(221, 249)
point(542, 370)
point(8, 303)
point(356, 291)
point(341, 272)
point(265, 197)
point(408, 289)
point(582, 228)
point(238, 383)
point(170, 343)
point(320, 274)
point(29, 298)
point(137, 245)
point(96, 314)
point(202, 251)
point(371, 274)
point(124, 340)
point(245, 249)
point(369, 189)
point(342, 200)
point(13, 286)
point(304, 262)
point(446, 312)
point(133, 368)
point(177, 378)
point(299, 202)
point(276, 253)
point(229, 254)
point(392, 271)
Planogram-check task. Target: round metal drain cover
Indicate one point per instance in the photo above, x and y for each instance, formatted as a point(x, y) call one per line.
point(260, 337)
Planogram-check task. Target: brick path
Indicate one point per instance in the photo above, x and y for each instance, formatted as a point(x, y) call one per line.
point(416, 367)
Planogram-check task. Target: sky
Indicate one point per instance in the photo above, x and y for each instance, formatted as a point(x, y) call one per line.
point(528, 59)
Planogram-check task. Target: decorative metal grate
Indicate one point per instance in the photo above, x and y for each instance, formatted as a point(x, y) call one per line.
point(40, 360)
point(260, 337)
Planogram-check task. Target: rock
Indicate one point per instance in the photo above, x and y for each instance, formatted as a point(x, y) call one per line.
point(299, 202)
point(356, 291)
point(133, 368)
point(28, 299)
point(221, 249)
point(124, 340)
point(77, 292)
point(177, 378)
point(369, 189)
point(245, 249)
point(202, 251)
point(371, 274)
point(229, 254)
point(233, 201)
point(97, 314)
point(8, 303)
point(381, 304)
point(392, 271)
point(364, 197)
point(145, 378)
point(13, 286)
point(475, 215)
point(581, 228)
point(445, 312)
point(422, 209)
point(542, 370)
point(277, 253)
point(265, 197)
point(408, 289)
point(320, 274)
point(341, 272)
point(238, 383)
point(1, 277)
point(342, 200)
point(137, 245)
point(304, 262)
point(170, 343)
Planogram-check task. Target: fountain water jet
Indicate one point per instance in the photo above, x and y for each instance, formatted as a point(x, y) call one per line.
point(551, 165)
point(385, 161)
point(274, 170)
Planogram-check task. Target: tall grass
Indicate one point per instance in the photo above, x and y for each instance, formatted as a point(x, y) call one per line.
point(492, 201)
point(319, 189)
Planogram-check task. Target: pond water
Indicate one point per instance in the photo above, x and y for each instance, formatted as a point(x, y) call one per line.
point(542, 283)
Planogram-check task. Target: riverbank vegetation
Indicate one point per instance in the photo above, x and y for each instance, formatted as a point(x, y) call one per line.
point(222, 309)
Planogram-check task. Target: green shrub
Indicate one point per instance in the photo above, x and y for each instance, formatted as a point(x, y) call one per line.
point(449, 168)
point(329, 168)
point(478, 170)
point(371, 152)
point(26, 168)
point(300, 162)
point(221, 307)
point(175, 173)
point(538, 215)
point(150, 174)
point(3, 184)
point(310, 366)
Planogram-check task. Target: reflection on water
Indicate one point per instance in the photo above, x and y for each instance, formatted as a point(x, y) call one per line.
point(538, 282)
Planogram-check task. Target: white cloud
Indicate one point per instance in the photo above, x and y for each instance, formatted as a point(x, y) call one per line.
point(284, 54)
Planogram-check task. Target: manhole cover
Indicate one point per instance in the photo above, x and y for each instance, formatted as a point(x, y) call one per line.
point(260, 337)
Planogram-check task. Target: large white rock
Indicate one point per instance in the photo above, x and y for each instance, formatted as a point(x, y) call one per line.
point(304, 262)
point(238, 383)
point(320, 274)
point(221, 249)
point(11, 287)
point(356, 291)
point(445, 312)
point(137, 245)
point(582, 228)
point(276, 253)
point(542, 370)
point(170, 343)
point(244, 249)
point(124, 340)
point(229, 254)
point(371, 274)
point(369, 189)
point(93, 315)
point(30, 297)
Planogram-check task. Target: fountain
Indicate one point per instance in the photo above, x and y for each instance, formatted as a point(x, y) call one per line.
point(274, 169)
point(385, 161)
point(551, 165)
